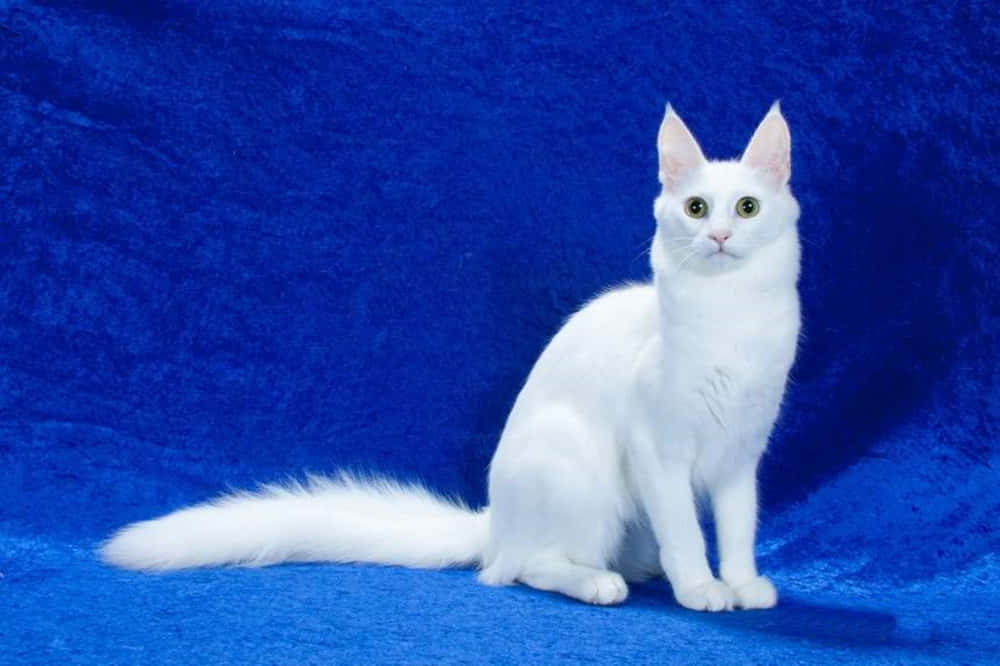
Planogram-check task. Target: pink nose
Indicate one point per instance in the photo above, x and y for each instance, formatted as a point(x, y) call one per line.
point(719, 237)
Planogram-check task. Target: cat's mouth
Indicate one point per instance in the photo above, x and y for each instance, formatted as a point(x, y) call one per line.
point(722, 254)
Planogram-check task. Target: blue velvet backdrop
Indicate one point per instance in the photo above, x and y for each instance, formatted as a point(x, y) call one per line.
point(245, 239)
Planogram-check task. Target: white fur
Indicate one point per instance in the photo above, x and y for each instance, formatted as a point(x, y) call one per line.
point(340, 519)
point(648, 398)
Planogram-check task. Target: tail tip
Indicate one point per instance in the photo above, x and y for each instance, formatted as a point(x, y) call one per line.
point(132, 548)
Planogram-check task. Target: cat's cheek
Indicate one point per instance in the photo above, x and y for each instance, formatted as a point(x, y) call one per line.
point(760, 236)
point(661, 209)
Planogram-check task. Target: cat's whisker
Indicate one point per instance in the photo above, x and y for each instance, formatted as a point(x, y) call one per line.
point(645, 248)
point(638, 256)
point(686, 259)
point(646, 243)
point(672, 244)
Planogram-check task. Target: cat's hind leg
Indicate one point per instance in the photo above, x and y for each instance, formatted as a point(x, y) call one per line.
point(556, 509)
point(557, 573)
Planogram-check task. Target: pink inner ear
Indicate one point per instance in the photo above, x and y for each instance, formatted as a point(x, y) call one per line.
point(674, 169)
point(769, 151)
point(679, 152)
point(776, 167)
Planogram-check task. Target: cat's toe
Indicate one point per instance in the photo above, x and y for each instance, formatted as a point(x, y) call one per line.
point(712, 596)
point(606, 589)
point(758, 593)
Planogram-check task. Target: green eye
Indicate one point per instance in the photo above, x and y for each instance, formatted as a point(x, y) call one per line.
point(696, 207)
point(747, 207)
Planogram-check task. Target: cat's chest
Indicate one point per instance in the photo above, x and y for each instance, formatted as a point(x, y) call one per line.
point(724, 392)
point(730, 353)
point(727, 379)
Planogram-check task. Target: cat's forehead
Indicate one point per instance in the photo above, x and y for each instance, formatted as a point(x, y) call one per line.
point(722, 177)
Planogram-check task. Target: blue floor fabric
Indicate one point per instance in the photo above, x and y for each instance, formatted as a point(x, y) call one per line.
point(243, 240)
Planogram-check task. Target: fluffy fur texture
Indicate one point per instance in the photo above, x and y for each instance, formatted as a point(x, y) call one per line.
point(338, 520)
point(244, 238)
point(647, 397)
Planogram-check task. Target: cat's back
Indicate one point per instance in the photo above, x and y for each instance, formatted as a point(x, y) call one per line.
point(630, 308)
point(609, 328)
point(589, 361)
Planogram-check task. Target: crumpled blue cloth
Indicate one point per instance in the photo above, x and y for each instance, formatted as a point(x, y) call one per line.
point(245, 240)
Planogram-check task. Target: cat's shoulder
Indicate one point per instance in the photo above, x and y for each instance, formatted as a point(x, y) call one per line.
point(630, 295)
point(625, 310)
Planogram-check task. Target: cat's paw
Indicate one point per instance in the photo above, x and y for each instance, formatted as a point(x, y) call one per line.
point(604, 589)
point(712, 596)
point(758, 593)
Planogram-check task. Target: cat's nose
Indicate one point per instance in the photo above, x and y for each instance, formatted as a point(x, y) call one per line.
point(720, 237)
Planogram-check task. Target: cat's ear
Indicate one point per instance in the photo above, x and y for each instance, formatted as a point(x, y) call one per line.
point(679, 152)
point(770, 149)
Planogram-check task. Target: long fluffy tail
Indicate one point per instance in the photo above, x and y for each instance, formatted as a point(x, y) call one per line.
point(340, 519)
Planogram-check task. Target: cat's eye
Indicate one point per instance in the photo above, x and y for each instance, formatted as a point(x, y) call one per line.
point(696, 207)
point(747, 207)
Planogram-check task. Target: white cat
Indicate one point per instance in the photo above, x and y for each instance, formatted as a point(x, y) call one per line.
point(648, 398)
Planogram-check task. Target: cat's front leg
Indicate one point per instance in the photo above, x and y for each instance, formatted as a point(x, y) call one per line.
point(664, 486)
point(734, 501)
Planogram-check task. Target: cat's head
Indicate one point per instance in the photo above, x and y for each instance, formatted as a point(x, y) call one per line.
point(714, 217)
